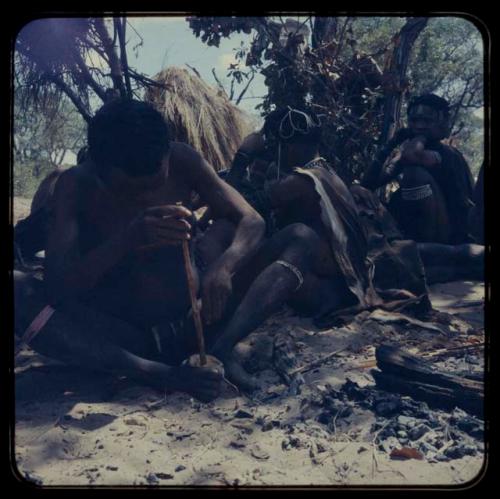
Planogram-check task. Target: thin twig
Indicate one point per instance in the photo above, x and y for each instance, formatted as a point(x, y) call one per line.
point(317, 363)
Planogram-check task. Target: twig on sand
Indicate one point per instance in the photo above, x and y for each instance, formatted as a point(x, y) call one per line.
point(453, 350)
point(375, 464)
point(317, 362)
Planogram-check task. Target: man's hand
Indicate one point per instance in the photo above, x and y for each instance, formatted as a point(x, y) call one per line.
point(412, 150)
point(159, 226)
point(216, 289)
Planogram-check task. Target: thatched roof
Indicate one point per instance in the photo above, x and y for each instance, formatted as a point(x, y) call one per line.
point(199, 115)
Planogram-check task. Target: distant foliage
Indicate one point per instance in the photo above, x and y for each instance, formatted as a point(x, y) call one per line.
point(344, 68)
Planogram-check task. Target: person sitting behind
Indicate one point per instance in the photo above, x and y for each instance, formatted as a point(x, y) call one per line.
point(436, 185)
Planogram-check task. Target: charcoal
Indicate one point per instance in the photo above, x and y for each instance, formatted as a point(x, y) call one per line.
point(354, 391)
point(460, 450)
point(241, 413)
point(418, 431)
point(387, 408)
point(427, 448)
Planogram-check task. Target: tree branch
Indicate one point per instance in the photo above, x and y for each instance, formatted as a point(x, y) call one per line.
point(75, 99)
point(85, 73)
point(238, 100)
point(120, 25)
point(114, 62)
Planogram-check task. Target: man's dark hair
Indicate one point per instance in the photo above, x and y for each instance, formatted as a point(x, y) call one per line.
point(130, 135)
point(431, 100)
point(293, 126)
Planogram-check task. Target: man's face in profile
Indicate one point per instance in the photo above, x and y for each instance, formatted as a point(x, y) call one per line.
point(427, 121)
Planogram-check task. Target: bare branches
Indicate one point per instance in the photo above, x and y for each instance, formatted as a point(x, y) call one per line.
point(243, 92)
point(75, 99)
point(219, 84)
point(194, 70)
point(116, 72)
point(120, 27)
point(395, 74)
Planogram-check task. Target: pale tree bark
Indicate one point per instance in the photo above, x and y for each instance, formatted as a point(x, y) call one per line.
point(115, 67)
point(394, 77)
point(324, 31)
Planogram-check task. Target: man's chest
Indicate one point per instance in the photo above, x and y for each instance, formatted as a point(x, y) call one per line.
point(106, 212)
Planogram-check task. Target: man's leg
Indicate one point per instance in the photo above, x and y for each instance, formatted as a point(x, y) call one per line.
point(82, 336)
point(421, 210)
point(444, 262)
point(282, 266)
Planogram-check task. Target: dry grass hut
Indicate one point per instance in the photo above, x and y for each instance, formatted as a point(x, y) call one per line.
point(199, 115)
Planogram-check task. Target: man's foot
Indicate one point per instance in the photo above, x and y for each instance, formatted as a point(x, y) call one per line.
point(237, 375)
point(202, 383)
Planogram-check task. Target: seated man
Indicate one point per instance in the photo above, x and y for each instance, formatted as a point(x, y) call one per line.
point(436, 184)
point(305, 189)
point(301, 188)
point(114, 268)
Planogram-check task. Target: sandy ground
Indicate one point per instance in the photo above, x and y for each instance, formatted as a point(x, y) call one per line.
point(74, 428)
point(78, 428)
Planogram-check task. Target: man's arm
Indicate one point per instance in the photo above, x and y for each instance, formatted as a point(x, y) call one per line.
point(224, 202)
point(68, 273)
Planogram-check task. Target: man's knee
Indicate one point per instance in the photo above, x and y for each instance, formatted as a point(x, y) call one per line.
point(417, 184)
point(414, 176)
point(300, 232)
point(28, 298)
point(301, 242)
point(25, 287)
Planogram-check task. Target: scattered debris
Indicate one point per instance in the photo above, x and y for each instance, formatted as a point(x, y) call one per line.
point(406, 453)
point(259, 453)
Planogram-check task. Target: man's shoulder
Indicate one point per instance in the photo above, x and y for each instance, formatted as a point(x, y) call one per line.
point(185, 161)
point(181, 150)
point(78, 177)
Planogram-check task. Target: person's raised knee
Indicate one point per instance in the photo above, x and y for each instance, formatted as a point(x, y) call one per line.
point(415, 176)
point(301, 232)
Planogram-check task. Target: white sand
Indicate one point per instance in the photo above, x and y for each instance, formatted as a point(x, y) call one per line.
point(78, 429)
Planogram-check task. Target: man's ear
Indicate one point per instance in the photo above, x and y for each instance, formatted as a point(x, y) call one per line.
point(444, 127)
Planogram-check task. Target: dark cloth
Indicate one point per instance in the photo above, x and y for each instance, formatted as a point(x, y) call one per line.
point(456, 182)
point(345, 234)
point(397, 262)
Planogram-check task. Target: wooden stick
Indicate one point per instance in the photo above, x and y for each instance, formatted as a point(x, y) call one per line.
point(453, 350)
point(317, 363)
point(194, 302)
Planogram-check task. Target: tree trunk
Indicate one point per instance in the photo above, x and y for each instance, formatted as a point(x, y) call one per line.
point(114, 61)
point(394, 77)
point(324, 31)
